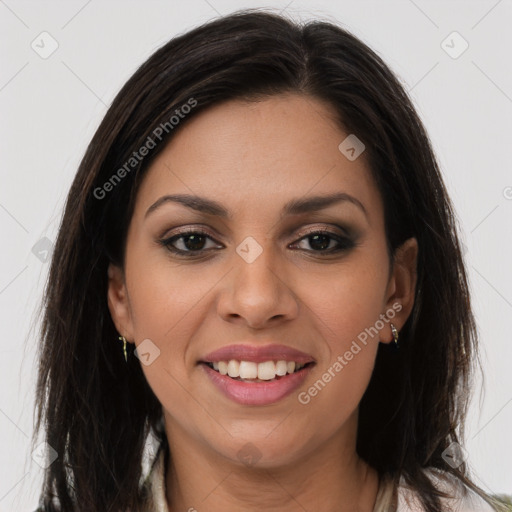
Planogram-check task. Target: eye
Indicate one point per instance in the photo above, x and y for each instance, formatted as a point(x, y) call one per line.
point(325, 241)
point(191, 241)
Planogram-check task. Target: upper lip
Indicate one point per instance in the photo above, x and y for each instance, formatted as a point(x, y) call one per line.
point(258, 354)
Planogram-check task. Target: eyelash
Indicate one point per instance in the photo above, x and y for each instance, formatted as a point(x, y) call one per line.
point(343, 242)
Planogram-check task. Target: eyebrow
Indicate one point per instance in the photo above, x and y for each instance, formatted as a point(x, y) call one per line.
point(293, 207)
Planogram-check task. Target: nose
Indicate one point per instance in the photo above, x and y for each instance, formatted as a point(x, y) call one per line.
point(257, 294)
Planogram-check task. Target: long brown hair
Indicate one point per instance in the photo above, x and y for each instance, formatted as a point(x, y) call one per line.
point(97, 411)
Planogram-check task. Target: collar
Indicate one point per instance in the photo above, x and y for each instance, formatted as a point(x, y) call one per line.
point(156, 484)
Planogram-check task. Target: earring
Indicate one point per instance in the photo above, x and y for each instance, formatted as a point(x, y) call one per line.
point(123, 339)
point(395, 335)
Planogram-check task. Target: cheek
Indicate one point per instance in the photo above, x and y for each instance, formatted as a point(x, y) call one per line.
point(342, 376)
point(166, 303)
point(349, 302)
point(350, 315)
point(346, 310)
point(166, 299)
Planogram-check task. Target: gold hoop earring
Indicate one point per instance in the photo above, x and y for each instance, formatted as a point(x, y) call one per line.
point(123, 339)
point(395, 335)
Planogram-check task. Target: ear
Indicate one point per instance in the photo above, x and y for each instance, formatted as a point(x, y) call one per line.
point(118, 302)
point(401, 288)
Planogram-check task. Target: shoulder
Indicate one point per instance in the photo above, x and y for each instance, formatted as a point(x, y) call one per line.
point(462, 498)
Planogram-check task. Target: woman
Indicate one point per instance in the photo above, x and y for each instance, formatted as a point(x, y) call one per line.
point(261, 221)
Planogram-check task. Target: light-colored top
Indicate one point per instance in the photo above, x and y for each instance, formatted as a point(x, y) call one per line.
point(460, 501)
point(407, 498)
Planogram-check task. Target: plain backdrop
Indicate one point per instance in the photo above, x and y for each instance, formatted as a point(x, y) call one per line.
point(52, 104)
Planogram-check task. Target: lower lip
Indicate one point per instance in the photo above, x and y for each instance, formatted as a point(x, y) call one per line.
point(257, 393)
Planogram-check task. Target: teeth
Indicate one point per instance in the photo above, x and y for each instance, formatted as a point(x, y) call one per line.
point(223, 367)
point(281, 368)
point(267, 370)
point(250, 370)
point(234, 368)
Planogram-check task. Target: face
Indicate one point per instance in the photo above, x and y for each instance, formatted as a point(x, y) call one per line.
point(273, 269)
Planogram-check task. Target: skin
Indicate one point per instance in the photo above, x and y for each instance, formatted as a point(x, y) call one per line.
point(253, 158)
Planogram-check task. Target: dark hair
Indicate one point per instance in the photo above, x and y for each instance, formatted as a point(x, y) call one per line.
point(97, 411)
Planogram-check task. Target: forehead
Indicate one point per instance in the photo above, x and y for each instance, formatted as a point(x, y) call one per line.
point(249, 153)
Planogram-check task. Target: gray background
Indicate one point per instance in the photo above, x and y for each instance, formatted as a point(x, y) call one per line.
point(50, 108)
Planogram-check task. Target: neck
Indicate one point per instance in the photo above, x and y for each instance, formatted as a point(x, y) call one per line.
point(331, 478)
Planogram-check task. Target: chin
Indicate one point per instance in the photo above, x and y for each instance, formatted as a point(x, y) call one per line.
point(262, 452)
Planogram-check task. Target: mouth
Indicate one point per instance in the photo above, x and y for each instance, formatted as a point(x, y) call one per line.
point(245, 387)
point(253, 372)
point(256, 374)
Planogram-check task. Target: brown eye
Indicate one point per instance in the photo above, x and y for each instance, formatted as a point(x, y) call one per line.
point(192, 241)
point(323, 241)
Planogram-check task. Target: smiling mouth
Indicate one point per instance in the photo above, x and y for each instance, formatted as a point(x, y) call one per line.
point(248, 371)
